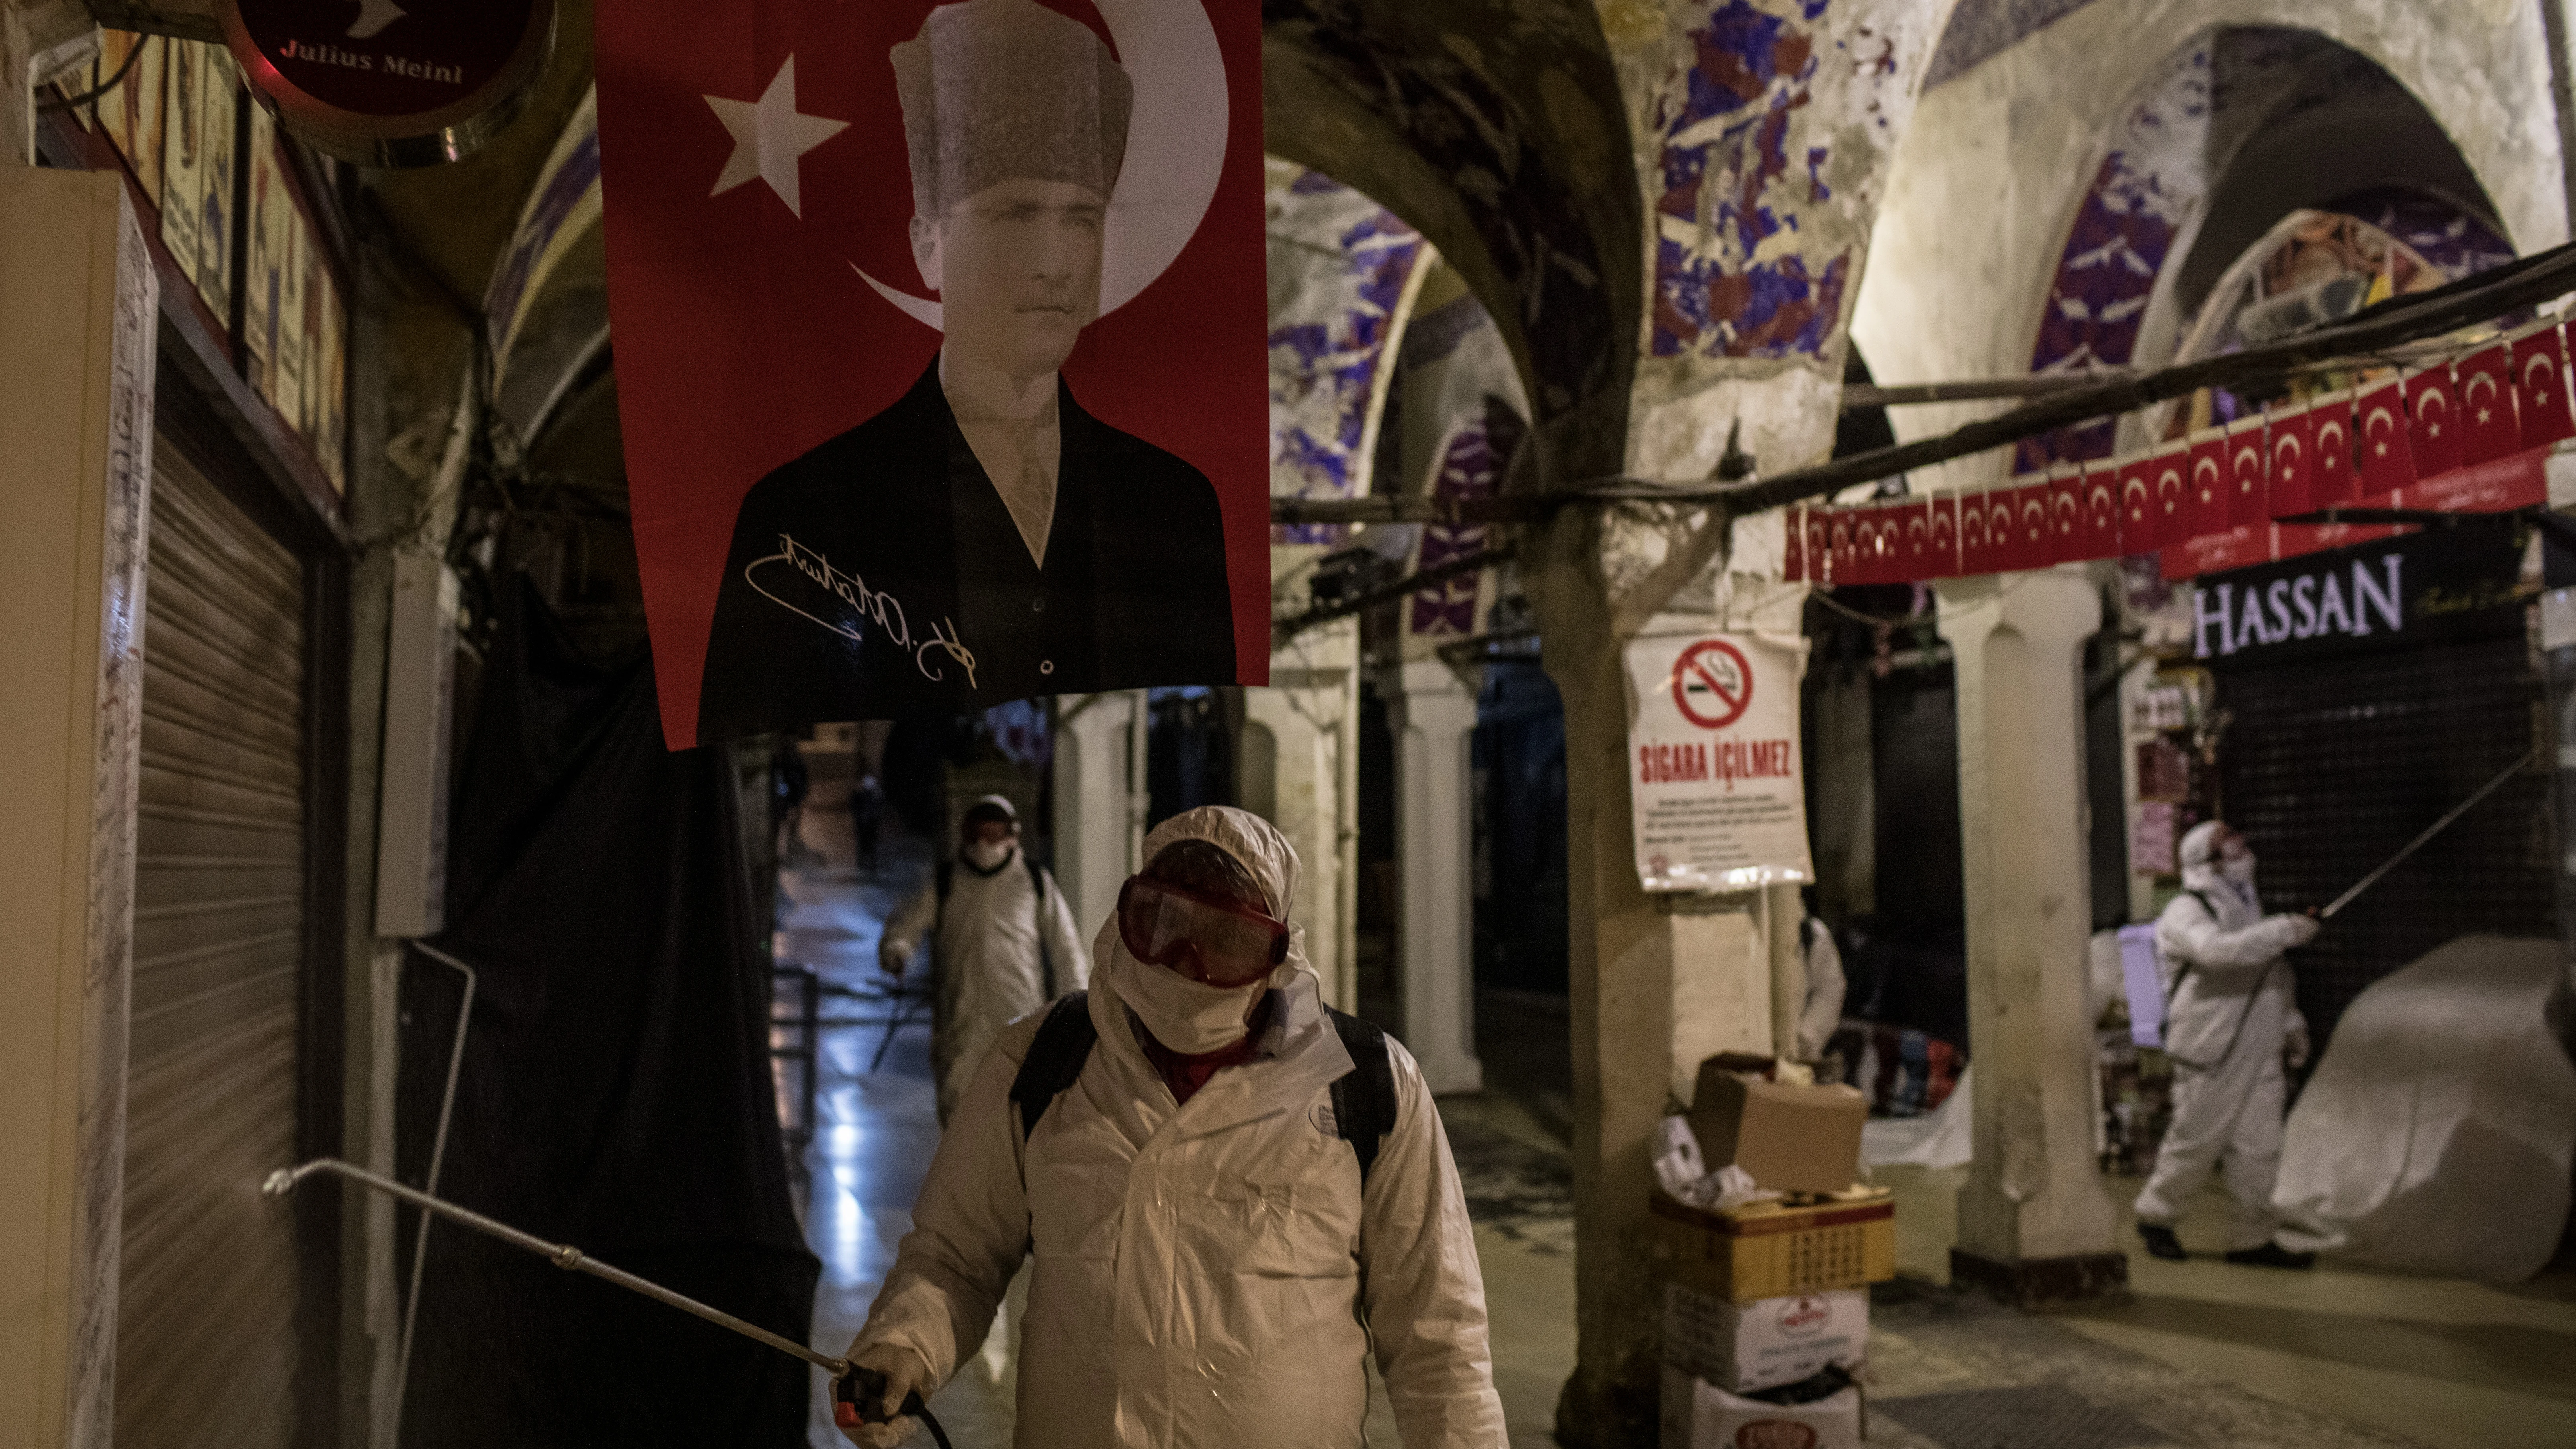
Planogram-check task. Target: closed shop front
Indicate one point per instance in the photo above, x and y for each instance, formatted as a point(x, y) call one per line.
point(208, 1348)
point(2396, 680)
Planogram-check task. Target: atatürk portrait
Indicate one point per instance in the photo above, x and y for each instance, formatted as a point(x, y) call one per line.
point(984, 538)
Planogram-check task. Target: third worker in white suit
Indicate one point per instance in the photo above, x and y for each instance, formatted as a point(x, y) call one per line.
point(2231, 1027)
point(1231, 1198)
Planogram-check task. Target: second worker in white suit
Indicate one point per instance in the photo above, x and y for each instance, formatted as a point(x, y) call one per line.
point(2232, 1027)
point(1002, 943)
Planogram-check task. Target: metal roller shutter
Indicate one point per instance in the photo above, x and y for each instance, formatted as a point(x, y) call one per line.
point(2328, 767)
point(206, 1348)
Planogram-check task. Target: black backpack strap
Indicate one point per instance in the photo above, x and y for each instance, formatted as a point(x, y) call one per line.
point(1363, 1097)
point(1038, 919)
point(2183, 969)
point(1056, 1054)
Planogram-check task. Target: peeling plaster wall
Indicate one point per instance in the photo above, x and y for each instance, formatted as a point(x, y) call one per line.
point(1461, 415)
point(1495, 128)
point(1343, 272)
point(1994, 174)
point(1765, 131)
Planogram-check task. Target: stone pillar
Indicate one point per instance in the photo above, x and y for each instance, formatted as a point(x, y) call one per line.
point(1296, 743)
point(2034, 1224)
point(79, 295)
point(1433, 719)
point(1098, 825)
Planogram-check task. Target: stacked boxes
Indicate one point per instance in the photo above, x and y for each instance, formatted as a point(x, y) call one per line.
point(1766, 1306)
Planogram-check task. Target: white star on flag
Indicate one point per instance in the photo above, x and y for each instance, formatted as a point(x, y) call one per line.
point(769, 136)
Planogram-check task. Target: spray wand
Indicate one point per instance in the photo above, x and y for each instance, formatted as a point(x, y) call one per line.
point(858, 1394)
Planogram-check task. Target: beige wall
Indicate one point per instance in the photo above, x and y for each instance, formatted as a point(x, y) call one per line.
point(77, 305)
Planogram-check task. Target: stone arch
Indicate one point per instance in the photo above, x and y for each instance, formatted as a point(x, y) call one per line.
point(1991, 186)
point(1497, 130)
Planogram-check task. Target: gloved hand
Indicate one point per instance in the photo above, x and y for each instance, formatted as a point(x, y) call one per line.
point(904, 1373)
point(2294, 1047)
point(890, 961)
point(2303, 929)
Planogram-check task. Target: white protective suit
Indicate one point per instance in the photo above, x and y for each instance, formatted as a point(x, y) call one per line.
point(988, 969)
point(2230, 1010)
point(1822, 1013)
point(1208, 1275)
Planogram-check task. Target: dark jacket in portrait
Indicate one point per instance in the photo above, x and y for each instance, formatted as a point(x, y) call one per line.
point(880, 575)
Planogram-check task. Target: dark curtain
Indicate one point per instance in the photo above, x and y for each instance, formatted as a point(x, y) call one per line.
point(616, 1090)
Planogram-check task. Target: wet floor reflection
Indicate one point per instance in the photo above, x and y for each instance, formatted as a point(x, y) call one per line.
point(876, 1120)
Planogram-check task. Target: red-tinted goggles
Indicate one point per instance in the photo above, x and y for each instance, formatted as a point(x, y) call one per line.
point(1201, 937)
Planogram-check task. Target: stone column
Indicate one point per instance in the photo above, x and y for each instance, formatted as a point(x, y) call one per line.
point(1296, 742)
point(2034, 1224)
point(1433, 719)
point(76, 352)
point(1098, 825)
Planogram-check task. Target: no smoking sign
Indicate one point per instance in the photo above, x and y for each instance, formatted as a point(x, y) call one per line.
point(1712, 684)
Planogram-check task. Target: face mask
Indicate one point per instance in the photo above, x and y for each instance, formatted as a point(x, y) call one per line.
point(1187, 1016)
point(988, 855)
point(2238, 868)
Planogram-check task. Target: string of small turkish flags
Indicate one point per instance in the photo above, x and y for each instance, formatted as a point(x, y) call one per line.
point(2465, 435)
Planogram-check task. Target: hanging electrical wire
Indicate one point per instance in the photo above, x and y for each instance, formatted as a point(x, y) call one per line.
point(2370, 338)
point(70, 103)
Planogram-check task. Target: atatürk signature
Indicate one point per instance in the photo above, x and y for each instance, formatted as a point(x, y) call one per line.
point(873, 606)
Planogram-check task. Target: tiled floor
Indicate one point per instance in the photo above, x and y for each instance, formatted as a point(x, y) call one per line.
point(2444, 1363)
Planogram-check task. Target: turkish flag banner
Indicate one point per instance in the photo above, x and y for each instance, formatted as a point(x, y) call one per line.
point(2170, 469)
point(2248, 473)
point(2292, 444)
point(942, 351)
point(2540, 386)
point(2209, 487)
point(2136, 490)
point(2433, 411)
point(2066, 514)
point(2033, 541)
point(1976, 540)
point(2003, 529)
point(1793, 555)
point(1841, 545)
point(1945, 537)
point(2332, 467)
point(1869, 546)
point(1887, 543)
point(2488, 428)
point(2386, 444)
point(1914, 549)
point(2101, 536)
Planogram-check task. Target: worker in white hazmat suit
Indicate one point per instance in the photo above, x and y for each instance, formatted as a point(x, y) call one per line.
point(1821, 1015)
point(2231, 1029)
point(1231, 1195)
point(1003, 943)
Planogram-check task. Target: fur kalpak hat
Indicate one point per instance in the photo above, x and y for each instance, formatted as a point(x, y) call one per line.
point(1001, 90)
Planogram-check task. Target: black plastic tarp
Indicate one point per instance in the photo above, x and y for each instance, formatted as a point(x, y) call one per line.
point(616, 1090)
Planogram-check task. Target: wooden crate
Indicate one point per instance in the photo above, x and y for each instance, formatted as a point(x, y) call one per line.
point(1768, 1250)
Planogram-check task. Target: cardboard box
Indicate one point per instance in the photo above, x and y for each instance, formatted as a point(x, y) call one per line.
point(1789, 1138)
point(1700, 1415)
point(1768, 1250)
point(1767, 1342)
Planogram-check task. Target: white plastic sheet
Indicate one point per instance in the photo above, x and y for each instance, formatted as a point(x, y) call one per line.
point(2437, 1132)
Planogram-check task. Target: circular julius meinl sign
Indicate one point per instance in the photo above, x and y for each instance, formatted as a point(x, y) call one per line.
point(1712, 684)
point(392, 82)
